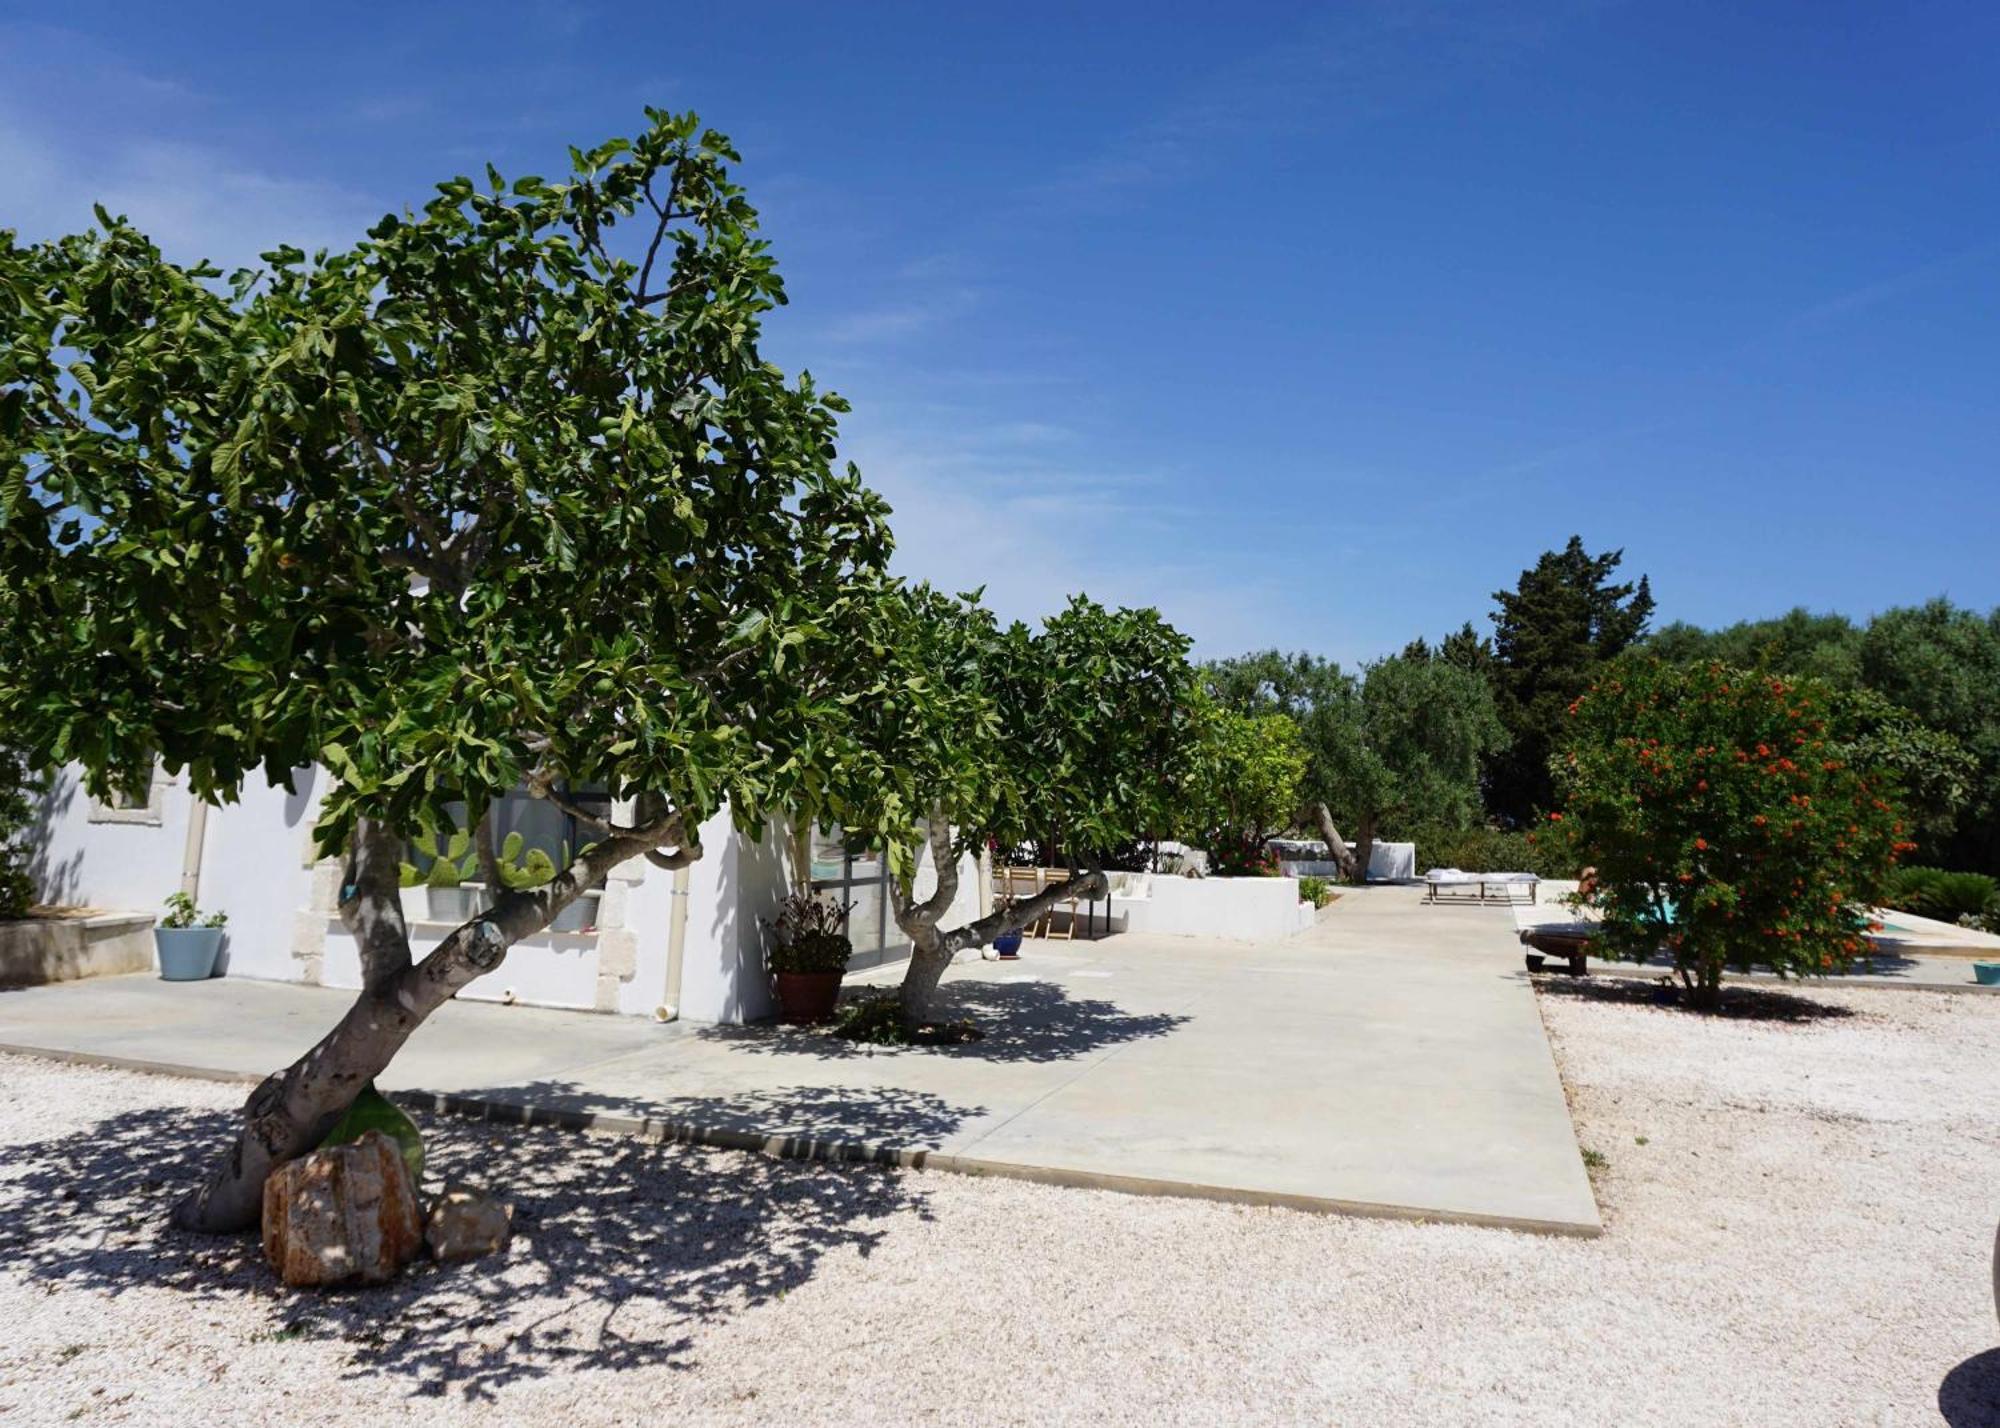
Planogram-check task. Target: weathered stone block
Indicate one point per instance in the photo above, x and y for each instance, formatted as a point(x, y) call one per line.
point(466, 1223)
point(342, 1215)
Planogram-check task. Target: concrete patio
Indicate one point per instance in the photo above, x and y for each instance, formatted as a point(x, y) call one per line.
point(1391, 1061)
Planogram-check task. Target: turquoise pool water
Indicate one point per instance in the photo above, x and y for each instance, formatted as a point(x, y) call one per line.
point(1888, 924)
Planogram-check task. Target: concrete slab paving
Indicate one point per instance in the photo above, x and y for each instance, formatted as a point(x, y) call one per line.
point(1389, 1061)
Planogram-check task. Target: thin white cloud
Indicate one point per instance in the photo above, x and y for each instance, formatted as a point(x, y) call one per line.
point(194, 201)
point(121, 138)
point(1350, 63)
point(1034, 522)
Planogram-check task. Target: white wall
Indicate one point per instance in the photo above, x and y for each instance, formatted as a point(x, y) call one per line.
point(257, 866)
point(1245, 909)
point(255, 860)
point(737, 881)
point(131, 866)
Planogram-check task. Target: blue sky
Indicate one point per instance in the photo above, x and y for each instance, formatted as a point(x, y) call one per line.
point(1310, 325)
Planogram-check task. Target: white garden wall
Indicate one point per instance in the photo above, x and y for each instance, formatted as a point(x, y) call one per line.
point(1245, 909)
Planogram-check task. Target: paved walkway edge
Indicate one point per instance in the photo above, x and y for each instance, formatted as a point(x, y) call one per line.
point(671, 1130)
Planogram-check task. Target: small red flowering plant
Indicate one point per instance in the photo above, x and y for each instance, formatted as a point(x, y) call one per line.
point(1725, 821)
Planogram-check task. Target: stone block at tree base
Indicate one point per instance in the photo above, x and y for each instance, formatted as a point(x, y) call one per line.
point(466, 1223)
point(343, 1215)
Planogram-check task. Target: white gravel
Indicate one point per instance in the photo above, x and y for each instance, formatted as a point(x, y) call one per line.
point(1799, 1218)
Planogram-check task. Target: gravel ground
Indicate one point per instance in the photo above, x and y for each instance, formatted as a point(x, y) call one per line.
point(1800, 1211)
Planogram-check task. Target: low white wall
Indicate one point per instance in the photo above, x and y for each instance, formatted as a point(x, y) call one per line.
point(1244, 909)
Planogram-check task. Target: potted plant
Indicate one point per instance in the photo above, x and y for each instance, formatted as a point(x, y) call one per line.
point(446, 899)
point(807, 951)
point(186, 941)
point(536, 870)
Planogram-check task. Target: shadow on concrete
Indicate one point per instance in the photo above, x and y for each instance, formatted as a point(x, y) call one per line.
point(1020, 1021)
point(811, 1120)
point(1969, 1397)
point(1739, 1002)
point(623, 1250)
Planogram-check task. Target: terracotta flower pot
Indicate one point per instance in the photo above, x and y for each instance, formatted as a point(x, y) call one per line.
point(805, 998)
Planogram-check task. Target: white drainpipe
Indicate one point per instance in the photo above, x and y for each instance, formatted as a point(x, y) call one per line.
point(197, 834)
point(677, 926)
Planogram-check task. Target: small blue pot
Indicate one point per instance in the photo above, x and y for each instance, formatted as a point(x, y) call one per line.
point(1007, 946)
point(187, 954)
point(1987, 974)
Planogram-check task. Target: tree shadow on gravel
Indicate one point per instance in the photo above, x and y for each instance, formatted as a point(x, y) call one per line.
point(623, 1249)
point(1969, 1397)
point(1020, 1022)
point(1739, 1003)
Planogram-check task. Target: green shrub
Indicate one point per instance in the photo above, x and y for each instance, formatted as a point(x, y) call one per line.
point(182, 913)
point(1723, 821)
point(1944, 895)
point(1492, 850)
point(1315, 891)
point(809, 934)
point(17, 789)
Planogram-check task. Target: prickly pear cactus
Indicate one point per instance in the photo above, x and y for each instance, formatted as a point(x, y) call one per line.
point(374, 1111)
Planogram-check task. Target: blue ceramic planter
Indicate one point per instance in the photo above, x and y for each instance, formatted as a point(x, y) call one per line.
point(1987, 973)
point(1007, 945)
point(187, 954)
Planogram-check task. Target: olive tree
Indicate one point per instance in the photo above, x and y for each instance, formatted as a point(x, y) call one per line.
point(1072, 734)
point(1398, 745)
point(490, 499)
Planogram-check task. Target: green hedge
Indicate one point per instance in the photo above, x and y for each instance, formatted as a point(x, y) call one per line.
point(1489, 850)
point(1945, 895)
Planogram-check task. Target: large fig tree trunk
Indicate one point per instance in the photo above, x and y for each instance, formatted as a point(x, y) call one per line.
point(932, 948)
point(291, 1110)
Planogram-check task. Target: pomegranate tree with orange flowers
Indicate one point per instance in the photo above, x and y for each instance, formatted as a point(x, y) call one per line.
point(1726, 821)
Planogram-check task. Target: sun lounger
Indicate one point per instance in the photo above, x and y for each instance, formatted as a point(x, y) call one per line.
point(1453, 885)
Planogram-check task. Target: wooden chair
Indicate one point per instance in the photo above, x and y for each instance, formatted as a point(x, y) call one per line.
point(1022, 884)
point(1057, 877)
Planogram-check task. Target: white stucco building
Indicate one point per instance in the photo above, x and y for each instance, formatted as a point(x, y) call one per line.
point(655, 943)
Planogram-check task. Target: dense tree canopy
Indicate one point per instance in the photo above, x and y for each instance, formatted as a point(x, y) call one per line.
point(1071, 736)
point(1241, 780)
point(1564, 618)
point(1942, 663)
point(1920, 684)
point(491, 497)
point(1822, 647)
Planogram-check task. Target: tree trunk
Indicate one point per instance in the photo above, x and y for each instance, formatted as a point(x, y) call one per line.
point(932, 948)
point(1364, 849)
point(1705, 988)
point(1336, 846)
point(291, 1110)
point(922, 1002)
